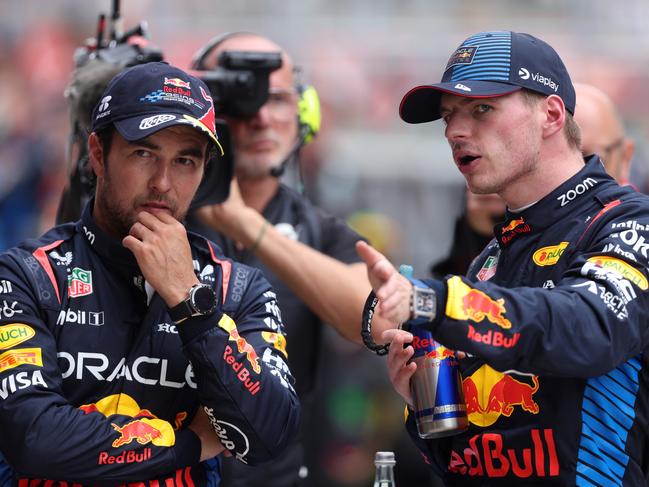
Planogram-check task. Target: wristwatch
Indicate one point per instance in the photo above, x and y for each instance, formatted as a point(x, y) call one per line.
point(201, 301)
point(423, 301)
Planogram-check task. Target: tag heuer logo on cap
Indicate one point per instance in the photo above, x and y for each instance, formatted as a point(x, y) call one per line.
point(460, 86)
point(463, 55)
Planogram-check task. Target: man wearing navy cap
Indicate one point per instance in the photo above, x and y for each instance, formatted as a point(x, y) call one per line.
point(552, 317)
point(126, 353)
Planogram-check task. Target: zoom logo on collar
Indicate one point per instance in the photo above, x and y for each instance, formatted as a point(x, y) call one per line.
point(578, 190)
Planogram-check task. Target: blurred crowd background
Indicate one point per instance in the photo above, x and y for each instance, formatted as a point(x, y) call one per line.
point(395, 183)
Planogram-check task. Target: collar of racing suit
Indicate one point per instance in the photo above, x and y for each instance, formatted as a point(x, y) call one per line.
point(110, 250)
point(557, 205)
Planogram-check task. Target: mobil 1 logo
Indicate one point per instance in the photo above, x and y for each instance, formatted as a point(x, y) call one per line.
point(80, 317)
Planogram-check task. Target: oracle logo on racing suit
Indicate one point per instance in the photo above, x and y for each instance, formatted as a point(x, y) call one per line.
point(97, 365)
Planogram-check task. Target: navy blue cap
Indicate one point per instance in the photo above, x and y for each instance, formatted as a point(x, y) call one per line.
point(146, 98)
point(490, 64)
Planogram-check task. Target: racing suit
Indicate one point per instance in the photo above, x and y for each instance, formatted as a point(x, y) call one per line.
point(554, 316)
point(98, 386)
point(296, 217)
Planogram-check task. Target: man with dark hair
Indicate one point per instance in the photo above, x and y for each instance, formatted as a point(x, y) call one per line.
point(132, 350)
point(553, 317)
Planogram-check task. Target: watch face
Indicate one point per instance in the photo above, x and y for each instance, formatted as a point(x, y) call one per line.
point(203, 299)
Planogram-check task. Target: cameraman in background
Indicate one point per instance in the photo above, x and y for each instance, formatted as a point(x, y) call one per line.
point(307, 255)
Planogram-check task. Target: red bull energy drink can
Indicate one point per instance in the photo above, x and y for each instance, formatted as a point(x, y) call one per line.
point(436, 387)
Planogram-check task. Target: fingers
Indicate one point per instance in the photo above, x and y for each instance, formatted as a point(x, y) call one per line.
point(400, 369)
point(369, 254)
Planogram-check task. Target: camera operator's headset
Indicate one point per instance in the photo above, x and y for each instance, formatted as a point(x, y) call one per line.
point(308, 114)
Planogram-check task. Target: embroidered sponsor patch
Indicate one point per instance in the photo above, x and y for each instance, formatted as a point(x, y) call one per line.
point(79, 283)
point(462, 55)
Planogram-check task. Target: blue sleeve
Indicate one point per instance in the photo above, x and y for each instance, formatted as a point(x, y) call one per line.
point(595, 318)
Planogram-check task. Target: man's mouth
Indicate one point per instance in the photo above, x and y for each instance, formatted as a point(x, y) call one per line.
point(465, 160)
point(153, 206)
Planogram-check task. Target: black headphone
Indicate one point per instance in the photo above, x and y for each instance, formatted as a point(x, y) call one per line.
point(309, 115)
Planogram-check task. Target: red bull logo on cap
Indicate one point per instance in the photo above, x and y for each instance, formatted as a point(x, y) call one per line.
point(177, 82)
point(490, 394)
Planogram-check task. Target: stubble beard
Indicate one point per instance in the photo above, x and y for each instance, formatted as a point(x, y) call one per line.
point(119, 220)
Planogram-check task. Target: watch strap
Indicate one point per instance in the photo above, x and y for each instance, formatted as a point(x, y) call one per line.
point(181, 311)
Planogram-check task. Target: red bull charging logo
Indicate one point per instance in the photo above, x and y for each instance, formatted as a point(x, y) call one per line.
point(467, 303)
point(512, 225)
point(441, 353)
point(139, 430)
point(145, 427)
point(242, 344)
point(490, 394)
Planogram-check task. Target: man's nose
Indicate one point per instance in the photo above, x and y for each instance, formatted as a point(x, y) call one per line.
point(263, 117)
point(458, 128)
point(161, 179)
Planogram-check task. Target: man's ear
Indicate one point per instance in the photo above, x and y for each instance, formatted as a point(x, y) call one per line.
point(96, 155)
point(554, 115)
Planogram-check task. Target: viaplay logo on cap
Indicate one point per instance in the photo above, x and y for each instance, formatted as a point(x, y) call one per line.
point(523, 73)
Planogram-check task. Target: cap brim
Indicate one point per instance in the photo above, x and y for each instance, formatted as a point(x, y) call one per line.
point(421, 104)
point(142, 126)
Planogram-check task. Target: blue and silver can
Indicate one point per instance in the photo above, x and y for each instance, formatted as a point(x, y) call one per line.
point(436, 387)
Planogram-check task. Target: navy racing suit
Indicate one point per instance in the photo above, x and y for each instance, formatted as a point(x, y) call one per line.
point(98, 385)
point(554, 315)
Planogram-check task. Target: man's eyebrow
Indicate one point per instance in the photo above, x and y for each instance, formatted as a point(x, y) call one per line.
point(194, 151)
point(144, 143)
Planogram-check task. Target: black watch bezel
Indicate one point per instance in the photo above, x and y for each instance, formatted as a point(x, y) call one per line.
point(202, 299)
